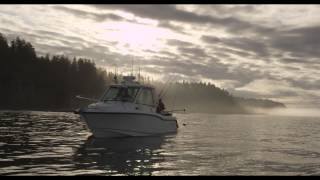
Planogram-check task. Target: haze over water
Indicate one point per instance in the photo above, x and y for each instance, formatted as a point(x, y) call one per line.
point(48, 143)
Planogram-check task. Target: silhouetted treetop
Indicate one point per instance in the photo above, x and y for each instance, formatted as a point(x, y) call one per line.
point(31, 82)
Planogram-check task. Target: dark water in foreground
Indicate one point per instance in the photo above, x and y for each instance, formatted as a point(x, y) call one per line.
point(47, 143)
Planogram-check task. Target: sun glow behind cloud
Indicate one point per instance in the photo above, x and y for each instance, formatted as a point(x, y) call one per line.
point(132, 38)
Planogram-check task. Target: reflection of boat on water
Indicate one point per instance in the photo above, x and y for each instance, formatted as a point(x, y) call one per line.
point(125, 155)
point(127, 109)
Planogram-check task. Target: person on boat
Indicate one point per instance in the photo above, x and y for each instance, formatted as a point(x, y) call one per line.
point(160, 106)
point(124, 95)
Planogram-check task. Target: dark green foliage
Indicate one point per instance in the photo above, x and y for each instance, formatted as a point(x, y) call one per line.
point(31, 82)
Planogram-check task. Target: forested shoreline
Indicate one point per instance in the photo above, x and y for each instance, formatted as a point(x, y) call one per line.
point(32, 82)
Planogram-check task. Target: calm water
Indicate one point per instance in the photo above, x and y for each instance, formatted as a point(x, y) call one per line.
point(47, 143)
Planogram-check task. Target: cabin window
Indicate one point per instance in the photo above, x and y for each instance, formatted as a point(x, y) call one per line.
point(146, 97)
point(111, 94)
point(121, 94)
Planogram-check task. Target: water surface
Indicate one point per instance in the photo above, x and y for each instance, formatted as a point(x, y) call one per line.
point(50, 143)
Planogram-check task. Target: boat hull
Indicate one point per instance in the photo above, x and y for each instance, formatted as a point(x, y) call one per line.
point(111, 124)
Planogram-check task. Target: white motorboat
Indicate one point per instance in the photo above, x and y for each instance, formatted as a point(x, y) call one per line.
point(127, 109)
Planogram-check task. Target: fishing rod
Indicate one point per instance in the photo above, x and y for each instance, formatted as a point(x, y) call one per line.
point(177, 110)
point(164, 86)
point(88, 99)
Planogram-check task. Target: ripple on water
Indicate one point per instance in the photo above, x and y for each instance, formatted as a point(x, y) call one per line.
point(49, 143)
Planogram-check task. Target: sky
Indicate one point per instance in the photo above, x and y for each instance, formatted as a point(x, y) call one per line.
point(257, 51)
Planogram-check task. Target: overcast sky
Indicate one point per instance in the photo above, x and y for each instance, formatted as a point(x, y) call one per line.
point(262, 51)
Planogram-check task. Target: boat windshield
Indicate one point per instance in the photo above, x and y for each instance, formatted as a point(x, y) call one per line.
point(121, 94)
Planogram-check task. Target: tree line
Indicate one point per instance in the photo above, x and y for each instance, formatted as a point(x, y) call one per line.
point(32, 82)
point(29, 81)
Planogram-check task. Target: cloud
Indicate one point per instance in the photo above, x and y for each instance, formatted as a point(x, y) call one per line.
point(159, 12)
point(175, 42)
point(56, 43)
point(305, 83)
point(269, 88)
point(242, 43)
point(299, 42)
point(213, 70)
point(60, 36)
point(292, 60)
point(210, 39)
point(169, 54)
point(193, 51)
point(168, 13)
point(176, 28)
point(85, 14)
point(225, 10)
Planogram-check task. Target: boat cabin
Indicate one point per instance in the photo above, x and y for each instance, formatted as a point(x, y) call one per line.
point(130, 91)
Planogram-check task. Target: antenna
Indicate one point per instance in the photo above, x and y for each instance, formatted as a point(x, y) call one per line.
point(139, 73)
point(132, 66)
point(115, 74)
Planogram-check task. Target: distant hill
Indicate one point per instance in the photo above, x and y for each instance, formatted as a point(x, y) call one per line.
point(207, 98)
point(32, 82)
point(258, 103)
